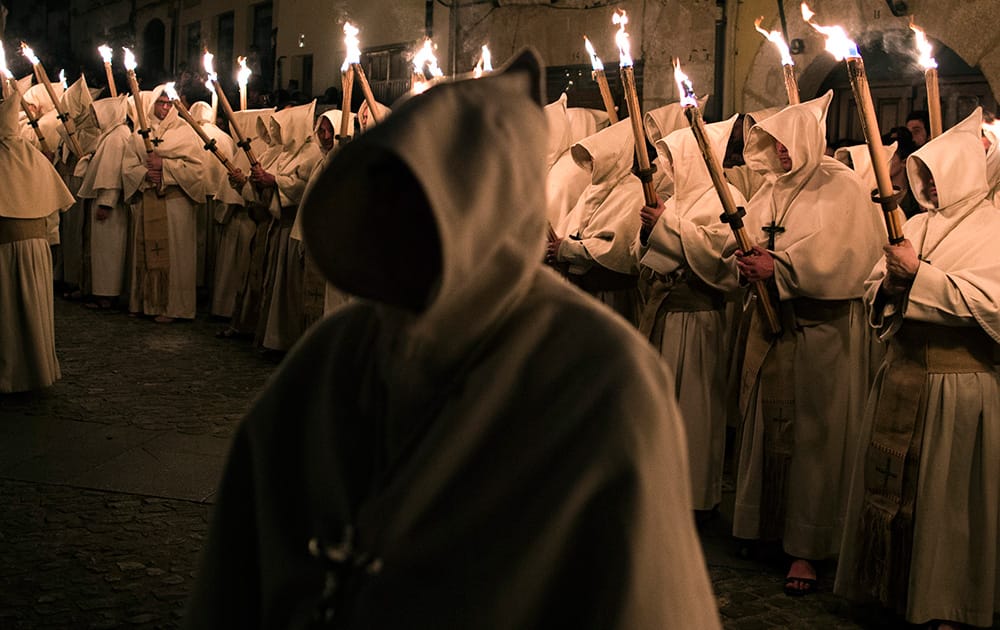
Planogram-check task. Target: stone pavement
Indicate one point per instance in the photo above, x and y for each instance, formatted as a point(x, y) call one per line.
point(107, 479)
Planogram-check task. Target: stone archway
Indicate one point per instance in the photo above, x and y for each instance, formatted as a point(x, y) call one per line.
point(959, 28)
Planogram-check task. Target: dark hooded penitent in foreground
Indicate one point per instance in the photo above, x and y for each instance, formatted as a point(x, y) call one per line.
point(430, 456)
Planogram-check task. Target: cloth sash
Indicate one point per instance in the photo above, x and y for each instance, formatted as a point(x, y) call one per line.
point(155, 250)
point(682, 292)
point(771, 362)
point(13, 230)
point(892, 461)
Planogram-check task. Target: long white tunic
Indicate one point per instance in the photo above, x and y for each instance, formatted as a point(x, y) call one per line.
point(683, 259)
point(954, 570)
point(802, 395)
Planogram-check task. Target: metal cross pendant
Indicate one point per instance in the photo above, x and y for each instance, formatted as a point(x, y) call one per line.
point(772, 231)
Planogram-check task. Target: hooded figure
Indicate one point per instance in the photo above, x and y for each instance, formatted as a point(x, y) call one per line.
point(103, 181)
point(802, 394)
point(925, 504)
point(285, 167)
point(252, 125)
point(684, 279)
point(74, 228)
point(319, 297)
point(33, 191)
point(164, 217)
point(565, 181)
point(446, 467)
point(596, 235)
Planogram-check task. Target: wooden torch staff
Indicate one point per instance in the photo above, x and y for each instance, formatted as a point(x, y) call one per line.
point(10, 90)
point(61, 114)
point(33, 123)
point(886, 197)
point(645, 170)
point(791, 84)
point(732, 215)
point(210, 143)
point(609, 104)
point(362, 78)
point(140, 110)
point(241, 140)
point(347, 86)
point(933, 102)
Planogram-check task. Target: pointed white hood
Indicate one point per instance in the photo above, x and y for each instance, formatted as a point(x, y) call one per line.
point(32, 188)
point(958, 238)
point(689, 230)
point(831, 237)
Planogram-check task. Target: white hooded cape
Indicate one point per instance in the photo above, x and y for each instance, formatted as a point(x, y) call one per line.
point(953, 562)
point(33, 188)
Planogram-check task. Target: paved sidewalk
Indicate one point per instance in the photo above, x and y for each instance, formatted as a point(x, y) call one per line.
point(107, 479)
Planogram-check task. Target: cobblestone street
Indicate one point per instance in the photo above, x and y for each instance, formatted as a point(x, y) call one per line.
point(107, 480)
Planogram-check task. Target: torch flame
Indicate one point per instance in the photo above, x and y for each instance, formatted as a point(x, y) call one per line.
point(485, 63)
point(425, 58)
point(3, 64)
point(595, 61)
point(838, 43)
point(775, 38)
point(926, 60)
point(29, 53)
point(62, 78)
point(684, 87)
point(171, 92)
point(352, 45)
point(130, 63)
point(243, 76)
point(209, 65)
point(105, 52)
point(620, 18)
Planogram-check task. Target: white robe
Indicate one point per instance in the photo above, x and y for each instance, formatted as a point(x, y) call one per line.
point(687, 326)
point(798, 440)
point(291, 164)
point(954, 571)
point(182, 187)
point(27, 327)
point(103, 182)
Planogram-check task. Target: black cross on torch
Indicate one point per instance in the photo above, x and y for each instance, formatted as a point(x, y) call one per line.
point(886, 473)
point(156, 249)
point(772, 231)
point(344, 566)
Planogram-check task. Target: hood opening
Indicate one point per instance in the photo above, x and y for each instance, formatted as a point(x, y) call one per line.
point(384, 244)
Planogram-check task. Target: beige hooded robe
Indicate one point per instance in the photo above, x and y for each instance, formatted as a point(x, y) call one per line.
point(291, 158)
point(597, 233)
point(684, 279)
point(474, 480)
point(103, 182)
point(802, 395)
point(33, 191)
point(953, 310)
point(177, 232)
